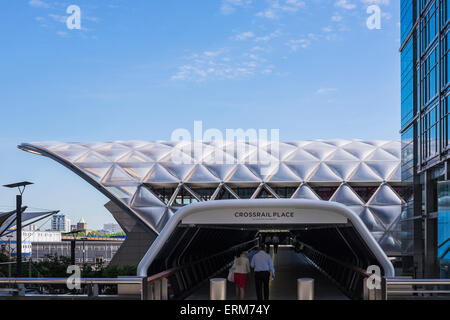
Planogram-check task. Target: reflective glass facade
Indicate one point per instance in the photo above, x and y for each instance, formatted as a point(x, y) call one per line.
point(444, 229)
point(424, 123)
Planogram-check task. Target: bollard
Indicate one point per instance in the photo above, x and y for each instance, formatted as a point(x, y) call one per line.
point(21, 290)
point(95, 290)
point(218, 289)
point(305, 289)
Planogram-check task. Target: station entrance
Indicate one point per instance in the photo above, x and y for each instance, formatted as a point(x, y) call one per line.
point(318, 239)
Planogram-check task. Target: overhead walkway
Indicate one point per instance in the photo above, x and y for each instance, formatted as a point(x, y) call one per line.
point(289, 266)
point(201, 241)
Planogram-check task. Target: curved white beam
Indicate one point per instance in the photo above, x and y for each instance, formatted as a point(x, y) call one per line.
point(321, 207)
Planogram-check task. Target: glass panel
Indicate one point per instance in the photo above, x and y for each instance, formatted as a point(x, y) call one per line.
point(444, 228)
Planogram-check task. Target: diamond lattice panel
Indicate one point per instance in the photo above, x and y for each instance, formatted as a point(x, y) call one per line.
point(305, 192)
point(347, 196)
point(121, 167)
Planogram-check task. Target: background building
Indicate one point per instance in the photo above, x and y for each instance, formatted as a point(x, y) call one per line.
point(37, 245)
point(425, 136)
point(8, 242)
point(60, 223)
point(110, 228)
point(82, 225)
point(86, 250)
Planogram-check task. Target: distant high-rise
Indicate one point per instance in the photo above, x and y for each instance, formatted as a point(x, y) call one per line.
point(60, 223)
point(425, 83)
point(112, 228)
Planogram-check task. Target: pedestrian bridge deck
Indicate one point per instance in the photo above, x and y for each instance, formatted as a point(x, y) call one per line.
point(289, 266)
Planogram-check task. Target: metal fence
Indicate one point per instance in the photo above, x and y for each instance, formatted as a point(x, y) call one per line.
point(396, 288)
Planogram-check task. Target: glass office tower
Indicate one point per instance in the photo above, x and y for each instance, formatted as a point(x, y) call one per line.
point(425, 137)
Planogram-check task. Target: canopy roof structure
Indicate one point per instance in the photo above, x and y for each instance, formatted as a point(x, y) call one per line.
point(8, 219)
point(152, 180)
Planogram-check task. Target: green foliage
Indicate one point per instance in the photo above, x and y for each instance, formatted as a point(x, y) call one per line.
point(115, 271)
point(97, 234)
point(117, 234)
point(53, 266)
point(4, 267)
point(4, 258)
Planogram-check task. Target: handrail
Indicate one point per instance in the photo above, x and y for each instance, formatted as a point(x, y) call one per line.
point(349, 266)
point(391, 283)
point(424, 282)
point(161, 275)
point(130, 280)
point(219, 253)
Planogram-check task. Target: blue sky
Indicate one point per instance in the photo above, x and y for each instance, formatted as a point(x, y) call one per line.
point(141, 69)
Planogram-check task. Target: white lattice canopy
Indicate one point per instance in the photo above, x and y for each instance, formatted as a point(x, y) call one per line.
point(153, 179)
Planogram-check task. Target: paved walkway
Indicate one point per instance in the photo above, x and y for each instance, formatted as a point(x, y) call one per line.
point(289, 266)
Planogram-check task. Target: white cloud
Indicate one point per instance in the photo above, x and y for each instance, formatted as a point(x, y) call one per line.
point(379, 2)
point(268, 13)
point(268, 37)
point(298, 43)
point(324, 91)
point(229, 6)
point(244, 35)
point(38, 4)
point(345, 4)
point(58, 18)
point(277, 7)
point(221, 65)
point(337, 18)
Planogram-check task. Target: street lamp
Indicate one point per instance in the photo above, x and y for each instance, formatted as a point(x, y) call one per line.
point(72, 245)
point(21, 187)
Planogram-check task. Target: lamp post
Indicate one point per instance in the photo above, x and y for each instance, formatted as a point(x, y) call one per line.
point(73, 245)
point(21, 187)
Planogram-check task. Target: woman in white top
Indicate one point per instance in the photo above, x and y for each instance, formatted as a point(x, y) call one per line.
point(241, 268)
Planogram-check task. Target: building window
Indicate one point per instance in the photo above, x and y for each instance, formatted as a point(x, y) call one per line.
point(444, 61)
point(430, 132)
point(406, 18)
point(444, 123)
point(429, 28)
point(444, 13)
point(429, 78)
point(407, 80)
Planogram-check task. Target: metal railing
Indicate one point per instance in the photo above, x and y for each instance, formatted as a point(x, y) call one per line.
point(395, 288)
point(151, 288)
point(16, 285)
point(83, 281)
point(156, 287)
point(347, 277)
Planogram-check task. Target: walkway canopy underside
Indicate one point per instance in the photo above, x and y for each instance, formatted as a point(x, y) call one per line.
point(209, 229)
